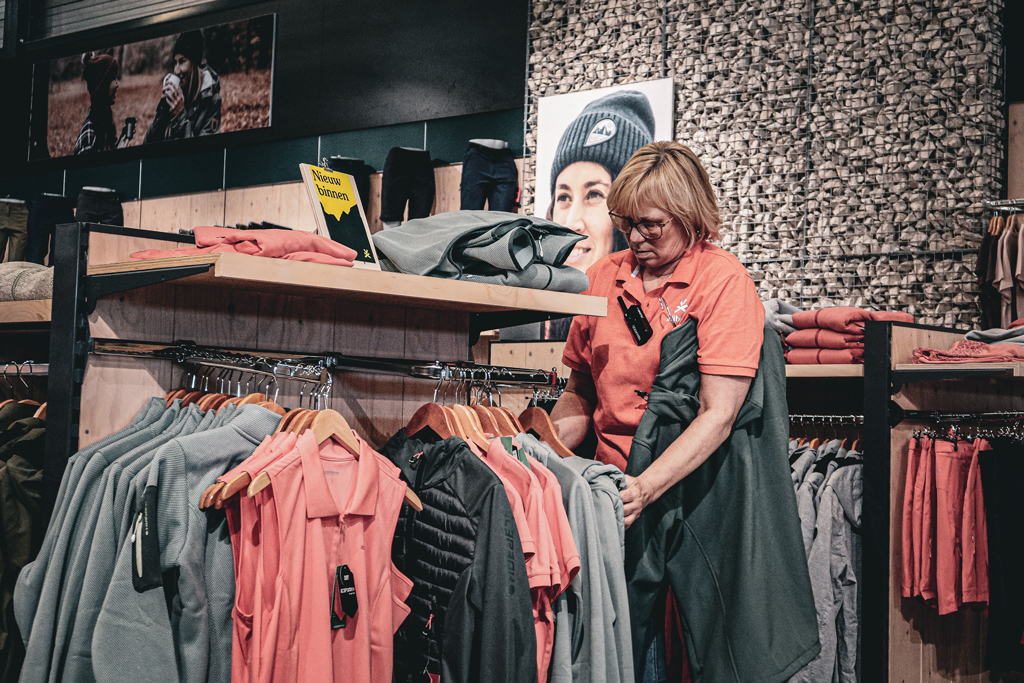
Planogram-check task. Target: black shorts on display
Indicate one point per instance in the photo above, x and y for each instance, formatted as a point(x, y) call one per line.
point(408, 177)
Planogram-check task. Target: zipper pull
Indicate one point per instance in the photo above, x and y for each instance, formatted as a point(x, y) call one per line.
point(414, 461)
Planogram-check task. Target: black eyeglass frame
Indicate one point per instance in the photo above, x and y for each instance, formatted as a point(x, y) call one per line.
point(646, 233)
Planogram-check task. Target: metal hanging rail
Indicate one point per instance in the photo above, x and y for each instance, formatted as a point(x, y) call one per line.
point(317, 368)
point(25, 369)
point(827, 419)
point(939, 416)
point(1003, 203)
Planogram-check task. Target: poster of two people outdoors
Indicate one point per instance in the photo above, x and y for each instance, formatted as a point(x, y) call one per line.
point(201, 82)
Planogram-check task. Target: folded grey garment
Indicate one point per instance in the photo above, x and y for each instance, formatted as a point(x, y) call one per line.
point(24, 281)
point(537, 276)
point(778, 315)
point(437, 245)
point(997, 335)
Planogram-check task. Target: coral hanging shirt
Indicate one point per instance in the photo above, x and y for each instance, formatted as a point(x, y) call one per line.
point(336, 517)
point(708, 284)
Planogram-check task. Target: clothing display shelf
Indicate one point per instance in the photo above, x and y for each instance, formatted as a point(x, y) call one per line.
point(824, 371)
point(904, 639)
point(285, 309)
point(21, 314)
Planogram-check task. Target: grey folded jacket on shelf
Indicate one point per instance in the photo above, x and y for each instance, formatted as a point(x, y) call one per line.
point(1014, 335)
point(493, 247)
point(25, 281)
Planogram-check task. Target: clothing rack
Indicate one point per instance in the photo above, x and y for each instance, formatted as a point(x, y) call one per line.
point(827, 419)
point(317, 368)
point(998, 204)
point(26, 369)
point(898, 414)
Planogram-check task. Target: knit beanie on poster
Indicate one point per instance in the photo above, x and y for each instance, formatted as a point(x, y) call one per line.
point(190, 44)
point(98, 73)
point(608, 131)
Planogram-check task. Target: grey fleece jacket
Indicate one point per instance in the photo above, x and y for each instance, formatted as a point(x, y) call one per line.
point(135, 636)
point(30, 580)
point(606, 481)
point(579, 649)
point(493, 247)
point(834, 566)
point(102, 550)
point(74, 532)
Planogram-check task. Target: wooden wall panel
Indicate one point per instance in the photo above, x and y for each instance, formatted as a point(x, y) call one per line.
point(115, 389)
point(107, 248)
point(372, 403)
point(286, 204)
point(167, 214)
point(447, 188)
point(132, 213)
point(433, 335)
point(216, 317)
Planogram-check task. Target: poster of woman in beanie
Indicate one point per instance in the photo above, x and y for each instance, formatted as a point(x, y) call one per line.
point(583, 141)
point(202, 82)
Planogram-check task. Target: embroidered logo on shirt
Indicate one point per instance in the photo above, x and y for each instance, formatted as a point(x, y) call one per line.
point(681, 308)
point(602, 131)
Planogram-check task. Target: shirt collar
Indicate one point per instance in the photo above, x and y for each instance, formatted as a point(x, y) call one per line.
point(319, 501)
point(684, 274)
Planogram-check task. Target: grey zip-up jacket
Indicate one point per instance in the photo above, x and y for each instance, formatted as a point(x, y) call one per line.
point(492, 247)
point(834, 568)
point(578, 653)
point(606, 482)
point(73, 529)
point(137, 637)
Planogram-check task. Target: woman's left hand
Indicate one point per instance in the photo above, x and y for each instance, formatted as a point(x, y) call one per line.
point(635, 498)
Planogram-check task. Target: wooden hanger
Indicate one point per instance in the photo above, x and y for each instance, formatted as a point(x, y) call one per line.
point(272, 407)
point(815, 443)
point(1000, 222)
point(288, 418)
point(471, 426)
point(991, 224)
point(29, 402)
point(302, 422)
point(191, 397)
point(538, 420)
point(856, 445)
point(432, 416)
point(513, 419)
point(41, 413)
point(3, 403)
point(487, 421)
point(172, 395)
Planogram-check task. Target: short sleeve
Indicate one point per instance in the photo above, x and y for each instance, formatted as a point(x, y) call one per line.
point(577, 345)
point(731, 331)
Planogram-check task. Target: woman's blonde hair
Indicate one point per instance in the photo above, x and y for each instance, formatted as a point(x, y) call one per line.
point(668, 175)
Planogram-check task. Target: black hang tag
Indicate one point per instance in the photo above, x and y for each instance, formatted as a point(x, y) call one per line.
point(345, 590)
point(146, 572)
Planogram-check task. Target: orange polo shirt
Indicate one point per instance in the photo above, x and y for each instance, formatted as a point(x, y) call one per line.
point(710, 285)
point(331, 508)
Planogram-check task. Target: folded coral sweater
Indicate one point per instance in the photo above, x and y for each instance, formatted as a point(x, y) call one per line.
point(820, 338)
point(971, 352)
point(293, 245)
point(845, 318)
point(824, 356)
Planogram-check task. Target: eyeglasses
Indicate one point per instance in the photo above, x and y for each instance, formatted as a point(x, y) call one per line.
point(649, 230)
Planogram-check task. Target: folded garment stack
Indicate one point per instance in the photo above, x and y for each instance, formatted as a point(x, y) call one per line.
point(827, 336)
point(25, 281)
point(292, 245)
point(493, 247)
point(968, 351)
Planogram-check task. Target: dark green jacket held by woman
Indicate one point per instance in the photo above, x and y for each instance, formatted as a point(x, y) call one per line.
point(727, 537)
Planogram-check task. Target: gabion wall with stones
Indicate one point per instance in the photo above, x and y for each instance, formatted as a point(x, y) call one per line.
point(851, 143)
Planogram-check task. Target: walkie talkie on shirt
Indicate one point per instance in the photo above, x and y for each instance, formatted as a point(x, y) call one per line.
point(637, 322)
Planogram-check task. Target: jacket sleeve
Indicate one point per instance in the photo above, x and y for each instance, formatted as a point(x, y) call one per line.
point(208, 121)
point(489, 633)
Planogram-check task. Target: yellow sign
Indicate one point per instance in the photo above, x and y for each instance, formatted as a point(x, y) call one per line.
point(334, 190)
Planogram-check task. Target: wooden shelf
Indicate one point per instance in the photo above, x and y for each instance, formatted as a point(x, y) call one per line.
point(1015, 369)
point(280, 276)
point(824, 371)
point(34, 311)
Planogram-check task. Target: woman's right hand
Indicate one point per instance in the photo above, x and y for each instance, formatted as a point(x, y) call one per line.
point(175, 97)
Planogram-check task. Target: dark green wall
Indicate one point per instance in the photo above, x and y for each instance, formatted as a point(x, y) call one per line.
point(272, 162)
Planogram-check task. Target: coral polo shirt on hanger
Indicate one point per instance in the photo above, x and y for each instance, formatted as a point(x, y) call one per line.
point(708, 284)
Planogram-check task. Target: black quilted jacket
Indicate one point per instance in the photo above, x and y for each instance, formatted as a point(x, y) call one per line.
point(471, 618)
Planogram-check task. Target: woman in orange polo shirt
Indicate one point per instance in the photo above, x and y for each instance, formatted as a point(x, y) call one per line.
point(663, 203)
